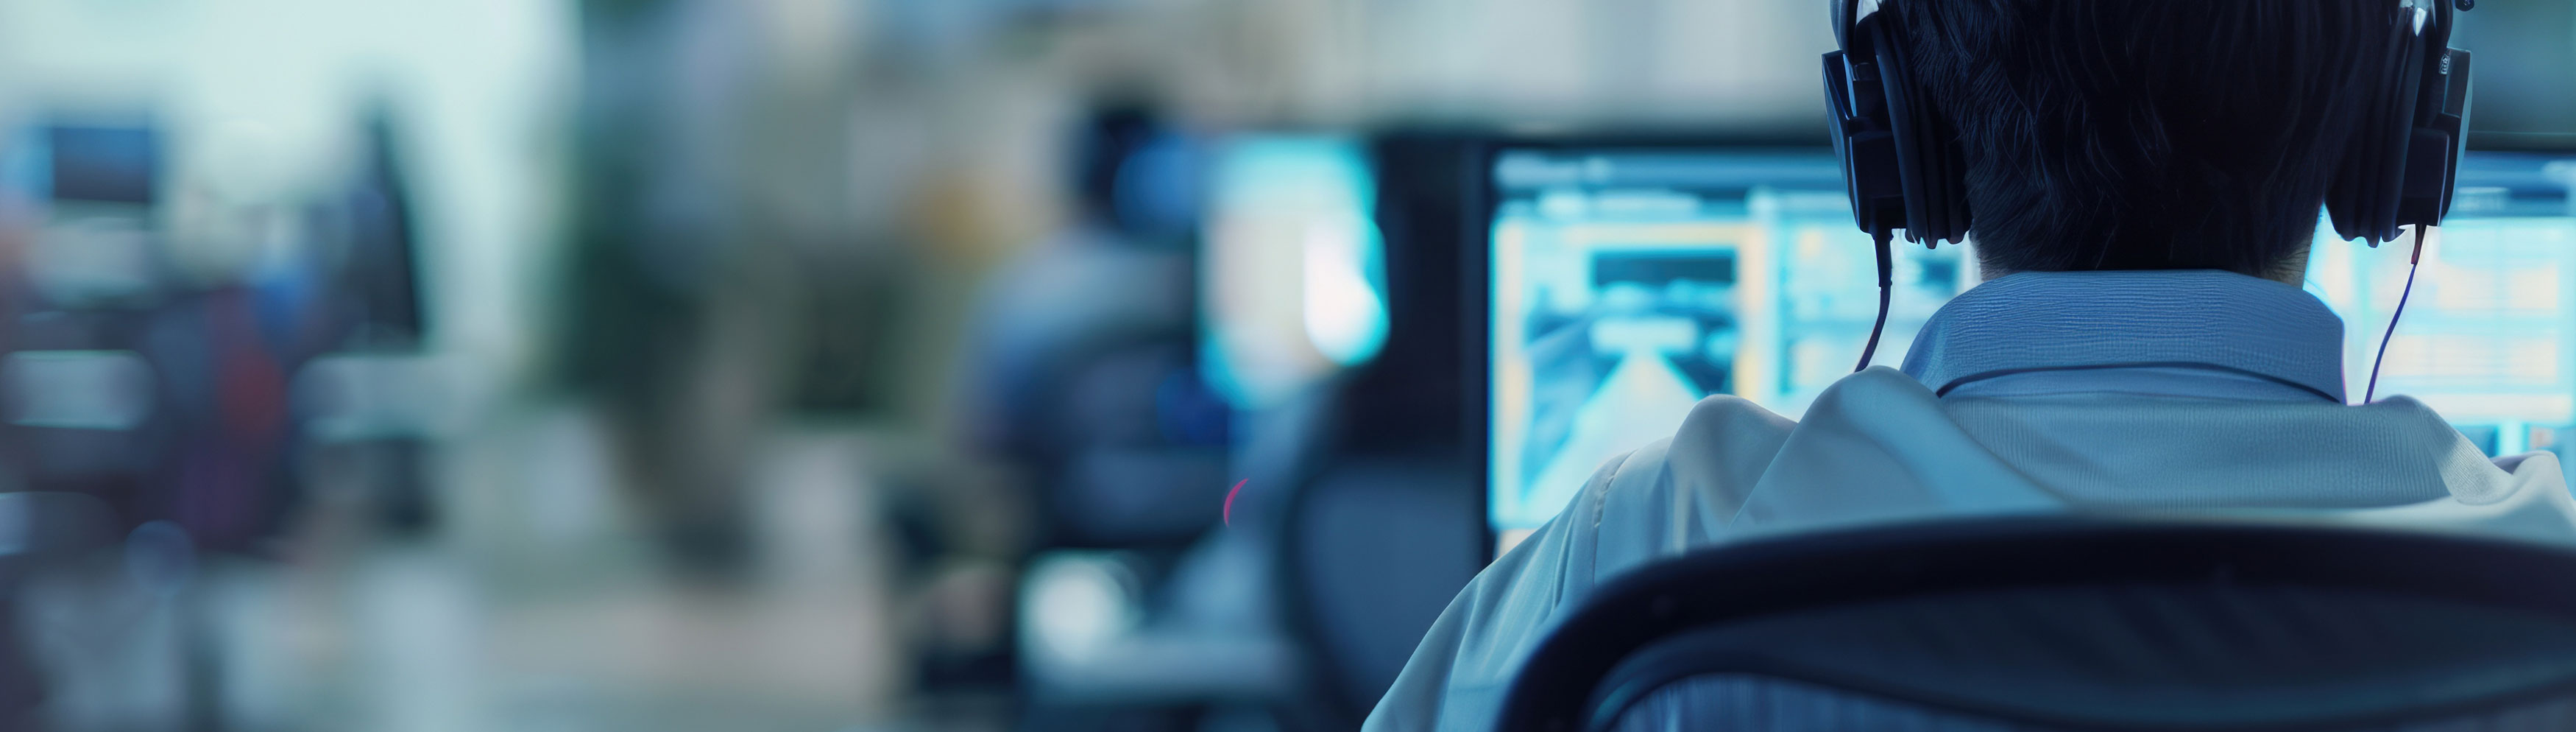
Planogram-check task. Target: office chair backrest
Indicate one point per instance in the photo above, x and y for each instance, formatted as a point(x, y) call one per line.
point(2071, 624)
point(1373, 550)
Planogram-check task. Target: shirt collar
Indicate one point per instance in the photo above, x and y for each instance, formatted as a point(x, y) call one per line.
point(2202, 319)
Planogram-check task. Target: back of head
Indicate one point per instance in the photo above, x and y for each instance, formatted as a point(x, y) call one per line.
point(2148, 134)
point(1137, 173)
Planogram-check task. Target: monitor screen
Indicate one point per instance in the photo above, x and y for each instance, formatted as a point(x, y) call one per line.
point(1626, 284)
point(2486, 337)
point(1294, 283)
point(107, 164)
point(2523, 52)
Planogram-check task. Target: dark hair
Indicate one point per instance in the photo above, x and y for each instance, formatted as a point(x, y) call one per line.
point(2148, 134)
point(1107, 141)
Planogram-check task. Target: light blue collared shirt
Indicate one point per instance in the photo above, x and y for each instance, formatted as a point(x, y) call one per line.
point(2187, 333)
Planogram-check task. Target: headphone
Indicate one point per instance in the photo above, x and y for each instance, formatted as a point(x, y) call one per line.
point(1904, 169)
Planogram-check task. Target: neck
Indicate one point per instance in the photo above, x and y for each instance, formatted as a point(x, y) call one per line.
point(2292, 271)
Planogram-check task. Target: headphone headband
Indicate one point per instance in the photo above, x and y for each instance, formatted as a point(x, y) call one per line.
point(1847, 14)
point(1904, 169)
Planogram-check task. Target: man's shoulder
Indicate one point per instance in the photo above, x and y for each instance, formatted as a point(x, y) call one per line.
point(1724, 417)
point(1725, 444)
point(1684, 490)
point(1723, 436)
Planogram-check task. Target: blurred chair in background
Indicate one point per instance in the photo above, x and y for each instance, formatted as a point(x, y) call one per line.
point(1373, 549)
point(1334, 328)
point(153, 362)
point(85, 409)
point(1387, 523)
point(146, 366)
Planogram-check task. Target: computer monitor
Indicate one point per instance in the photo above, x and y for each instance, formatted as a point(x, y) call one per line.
point(98, 163)
point(1293, 284)
point(1628, 282)
point(2524, 52)
point(2489, 334)
point(1624, 283)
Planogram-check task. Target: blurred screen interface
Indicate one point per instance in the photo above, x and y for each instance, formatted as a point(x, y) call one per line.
point(1628, 284)
point(102, 164)
point(1295, 281)
point(2486, 335)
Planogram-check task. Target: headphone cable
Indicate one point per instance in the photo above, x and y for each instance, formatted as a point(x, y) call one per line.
point(1886, 282)
point(2412, 262)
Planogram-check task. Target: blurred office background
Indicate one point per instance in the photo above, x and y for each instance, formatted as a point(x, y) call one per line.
point(893, 364)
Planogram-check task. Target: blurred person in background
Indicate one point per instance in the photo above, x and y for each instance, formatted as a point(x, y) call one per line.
point(1087, 384)
point(1086, 364)
point(680, 290)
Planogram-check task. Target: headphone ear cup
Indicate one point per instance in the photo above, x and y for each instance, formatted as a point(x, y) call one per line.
point(1863, 144)
point(1866, 135)
point(2363, 200)
point(2441, 126)
point(1927, 153)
